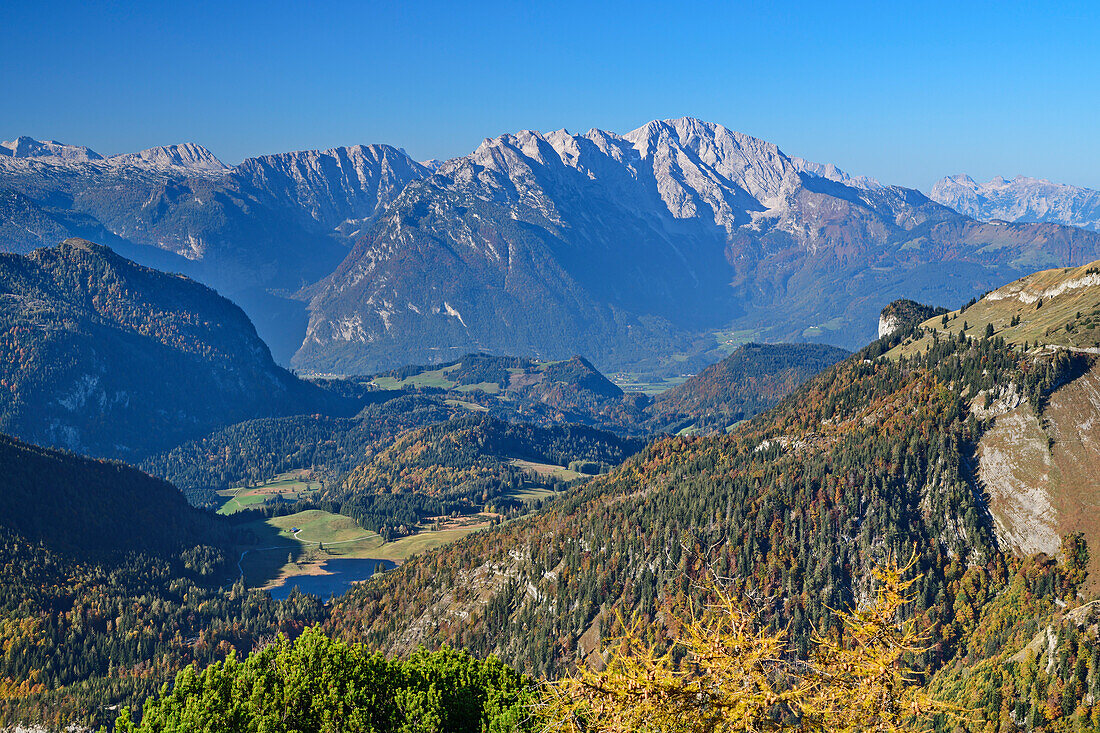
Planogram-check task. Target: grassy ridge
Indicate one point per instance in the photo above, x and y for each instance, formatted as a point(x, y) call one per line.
point(1058, 307)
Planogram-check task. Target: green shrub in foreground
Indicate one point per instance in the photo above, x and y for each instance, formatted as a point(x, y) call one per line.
point(325, 685)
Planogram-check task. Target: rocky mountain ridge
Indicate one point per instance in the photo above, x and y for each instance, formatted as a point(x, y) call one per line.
point(628, 248)
point(191, 158)
point(634, 244)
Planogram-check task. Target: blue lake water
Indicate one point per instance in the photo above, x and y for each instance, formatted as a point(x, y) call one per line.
point(341, 574)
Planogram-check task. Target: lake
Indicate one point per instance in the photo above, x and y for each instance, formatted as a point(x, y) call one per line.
point(341, 573)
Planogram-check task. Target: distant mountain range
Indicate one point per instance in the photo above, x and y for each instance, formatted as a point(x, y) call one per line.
point(643, 251)
point(1021, 199)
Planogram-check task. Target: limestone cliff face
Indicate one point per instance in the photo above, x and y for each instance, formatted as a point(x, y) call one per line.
point(904, 313)
point(887, 324)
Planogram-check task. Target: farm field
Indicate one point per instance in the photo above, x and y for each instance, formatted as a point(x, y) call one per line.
point(547, 469)
point(267, 565)
point(471, 406)
point(652, 386)
point(434, 378)
point(728, 341)
point(290, 486)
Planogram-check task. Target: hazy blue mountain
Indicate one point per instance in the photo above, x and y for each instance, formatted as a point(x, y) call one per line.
point(103, 356)
point(1020, 199)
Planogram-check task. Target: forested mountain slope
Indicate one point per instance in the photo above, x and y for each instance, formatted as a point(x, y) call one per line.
point(544, 392)
point(752, 379)
point(103, 356)
point(868, 461)
point(861, 463)
point(93, 508)
point(109, 583)
point(464, 465)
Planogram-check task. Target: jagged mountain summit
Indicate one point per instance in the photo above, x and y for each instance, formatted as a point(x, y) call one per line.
point(189, 156)
point(28, 147)
point(628, 246)
point(1020, 199)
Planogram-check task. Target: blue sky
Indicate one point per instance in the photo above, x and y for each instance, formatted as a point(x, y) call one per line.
point(905, 92)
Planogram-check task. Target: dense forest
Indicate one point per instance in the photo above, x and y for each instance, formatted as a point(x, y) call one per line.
point(109, 584)
point(463, 466)
point(80, 637)
point(257, 450)
point(94, 508)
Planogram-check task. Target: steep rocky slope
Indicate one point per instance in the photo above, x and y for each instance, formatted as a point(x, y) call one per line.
point(1021, 199)
point(1039, 460)
point(100, 355)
